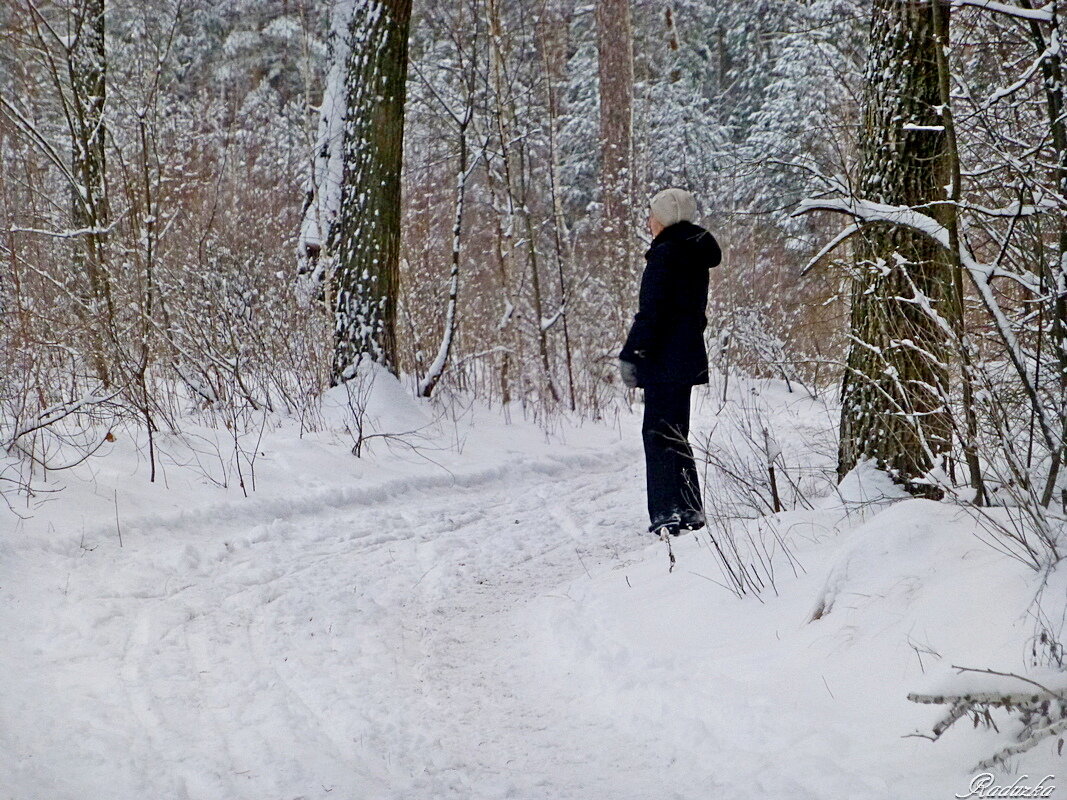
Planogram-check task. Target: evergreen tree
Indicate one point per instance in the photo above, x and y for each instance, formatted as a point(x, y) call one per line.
point(578, 123)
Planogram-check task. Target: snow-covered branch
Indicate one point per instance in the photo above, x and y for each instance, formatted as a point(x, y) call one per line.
point(1042, 710)
point(1043, 14)
point(57, 413)
point(867, 211)
point(981, 275)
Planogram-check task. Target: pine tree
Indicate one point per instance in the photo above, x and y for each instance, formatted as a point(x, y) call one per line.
point(579, 133)
point(894, 395)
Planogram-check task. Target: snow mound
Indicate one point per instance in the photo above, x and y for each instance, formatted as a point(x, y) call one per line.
point(375, 399)
point(902, 594)
point(866, 483)
point(910, 554)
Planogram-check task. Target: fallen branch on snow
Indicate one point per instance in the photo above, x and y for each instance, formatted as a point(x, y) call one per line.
point(1043, 713)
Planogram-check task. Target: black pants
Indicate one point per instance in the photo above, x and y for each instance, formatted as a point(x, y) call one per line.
point(670, 471)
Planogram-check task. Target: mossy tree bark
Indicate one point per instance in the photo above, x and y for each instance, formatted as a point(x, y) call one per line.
point(895, 392)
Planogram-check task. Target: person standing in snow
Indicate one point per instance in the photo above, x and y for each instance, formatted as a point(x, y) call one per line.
point(666, 356)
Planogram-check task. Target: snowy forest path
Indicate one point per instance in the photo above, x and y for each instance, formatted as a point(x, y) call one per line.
point(359, 652)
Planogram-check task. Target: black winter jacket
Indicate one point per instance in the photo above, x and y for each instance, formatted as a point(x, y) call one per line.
point(666, 340)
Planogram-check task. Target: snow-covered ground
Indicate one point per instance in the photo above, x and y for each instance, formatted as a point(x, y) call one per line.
point(483, 618)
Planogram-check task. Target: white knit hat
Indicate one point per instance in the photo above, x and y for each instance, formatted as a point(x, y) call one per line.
point(674, 205)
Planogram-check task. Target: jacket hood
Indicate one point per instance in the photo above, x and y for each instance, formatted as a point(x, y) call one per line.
point(698, 242)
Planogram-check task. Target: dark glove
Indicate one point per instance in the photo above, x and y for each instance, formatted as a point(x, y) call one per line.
point(628, 372)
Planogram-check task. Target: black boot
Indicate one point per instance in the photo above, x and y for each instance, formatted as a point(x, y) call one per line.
point(691, 519)
point(671, 526)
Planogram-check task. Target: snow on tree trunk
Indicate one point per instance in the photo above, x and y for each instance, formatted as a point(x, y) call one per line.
point(88, 73)
point(1052, 73)
point(894, 394)
point(437, 368)
point(350, 237)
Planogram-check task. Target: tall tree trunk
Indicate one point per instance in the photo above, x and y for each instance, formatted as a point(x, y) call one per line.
point(351, 230)
point(513, 148)
point(553, 45)
point(949, 217)
point(87, 64)
point(895, 391)
point(1052, 73)
point(616, 74)
point(437, 368)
